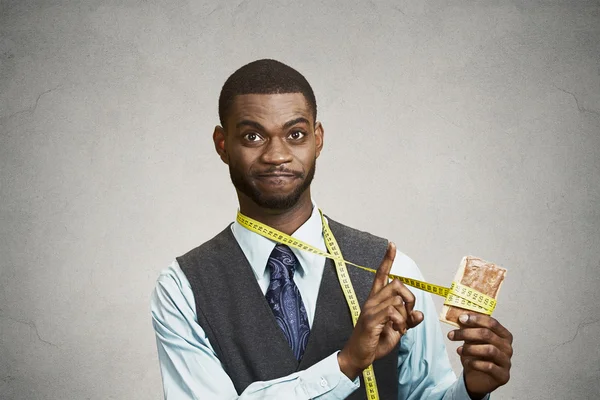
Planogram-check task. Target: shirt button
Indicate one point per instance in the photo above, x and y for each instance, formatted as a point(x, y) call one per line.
point(323, 382)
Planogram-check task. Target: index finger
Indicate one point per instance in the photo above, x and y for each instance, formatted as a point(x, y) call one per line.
point(381, 277)
point(485, 321)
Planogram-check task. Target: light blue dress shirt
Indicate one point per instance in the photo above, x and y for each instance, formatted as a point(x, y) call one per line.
point(190, 368)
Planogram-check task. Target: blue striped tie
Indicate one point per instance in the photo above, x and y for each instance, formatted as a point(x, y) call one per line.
point(284, 299)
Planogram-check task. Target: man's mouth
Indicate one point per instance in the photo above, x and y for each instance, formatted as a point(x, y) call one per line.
point(277, 178)
point(277, 175)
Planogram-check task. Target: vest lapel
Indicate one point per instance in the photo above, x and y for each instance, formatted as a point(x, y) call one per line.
point(330, 302)
point(258, 308)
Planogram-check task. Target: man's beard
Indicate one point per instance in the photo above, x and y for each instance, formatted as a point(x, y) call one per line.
point(273, 202)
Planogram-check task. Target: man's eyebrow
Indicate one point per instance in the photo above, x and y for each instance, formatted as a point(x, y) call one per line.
point(258, 126)
point(253, 124)
point(295, 121)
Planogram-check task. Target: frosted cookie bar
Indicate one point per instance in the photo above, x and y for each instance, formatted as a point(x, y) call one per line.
point(478, 274)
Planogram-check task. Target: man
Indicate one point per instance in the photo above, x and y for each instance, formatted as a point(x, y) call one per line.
point(245, 317)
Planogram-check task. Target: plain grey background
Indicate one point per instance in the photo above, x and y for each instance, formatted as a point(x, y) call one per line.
point(451, 127)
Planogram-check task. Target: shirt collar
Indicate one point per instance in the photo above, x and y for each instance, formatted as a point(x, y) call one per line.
point(257, 248)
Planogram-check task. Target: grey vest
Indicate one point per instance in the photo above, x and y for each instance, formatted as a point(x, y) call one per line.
point(241, 328)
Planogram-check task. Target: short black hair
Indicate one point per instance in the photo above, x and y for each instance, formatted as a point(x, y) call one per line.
point(264, 77)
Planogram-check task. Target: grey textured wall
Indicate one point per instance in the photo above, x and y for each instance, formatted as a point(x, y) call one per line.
point(452, 127)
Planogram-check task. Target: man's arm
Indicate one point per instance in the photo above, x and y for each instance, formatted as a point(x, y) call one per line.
point(190, 368)
point(424, 370)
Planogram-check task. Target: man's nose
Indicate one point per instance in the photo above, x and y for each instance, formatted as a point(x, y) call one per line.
point(277, 152)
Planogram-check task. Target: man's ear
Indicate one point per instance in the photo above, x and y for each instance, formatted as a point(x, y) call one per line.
point(319, 138)
point(219, 136)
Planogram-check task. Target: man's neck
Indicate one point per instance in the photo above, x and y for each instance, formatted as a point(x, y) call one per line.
point(286, 221)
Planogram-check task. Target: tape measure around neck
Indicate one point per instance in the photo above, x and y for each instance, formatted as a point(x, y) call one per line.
point(457, 295)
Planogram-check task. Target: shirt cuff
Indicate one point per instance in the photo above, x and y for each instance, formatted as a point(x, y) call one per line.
point(460, 391)
point(326, 377)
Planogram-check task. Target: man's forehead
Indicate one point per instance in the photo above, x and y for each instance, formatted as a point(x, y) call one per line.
point(270, 105)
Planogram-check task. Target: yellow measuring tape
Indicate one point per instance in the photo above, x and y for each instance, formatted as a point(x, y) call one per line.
point(457, 295)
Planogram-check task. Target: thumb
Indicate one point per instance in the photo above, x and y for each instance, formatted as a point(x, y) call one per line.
point(415, 318)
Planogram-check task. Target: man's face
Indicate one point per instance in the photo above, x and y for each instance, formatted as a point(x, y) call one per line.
point(271, 146)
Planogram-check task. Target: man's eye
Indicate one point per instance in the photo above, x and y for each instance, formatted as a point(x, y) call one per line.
point(252, 137)
point(297, 135)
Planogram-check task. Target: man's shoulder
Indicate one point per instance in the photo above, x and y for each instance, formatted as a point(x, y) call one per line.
point(355, 233)
point(220, 241)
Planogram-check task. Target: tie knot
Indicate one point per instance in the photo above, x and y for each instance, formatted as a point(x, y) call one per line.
point(282, 262)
